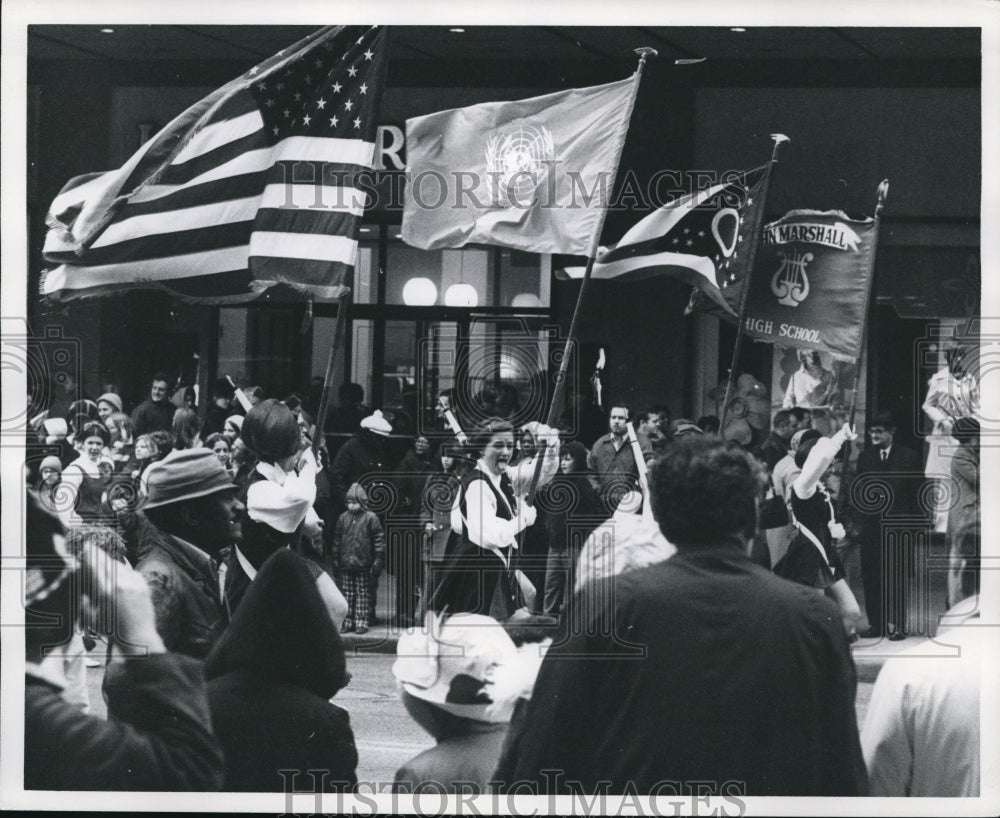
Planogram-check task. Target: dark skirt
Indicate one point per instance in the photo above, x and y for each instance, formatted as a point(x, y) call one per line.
point(803, 564)
point(473, 580)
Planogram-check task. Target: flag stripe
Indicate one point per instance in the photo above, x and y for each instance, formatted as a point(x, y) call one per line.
point(273, 199)
point(221, 260)
point(303, 246)
point(221, 133)
point(292, 149)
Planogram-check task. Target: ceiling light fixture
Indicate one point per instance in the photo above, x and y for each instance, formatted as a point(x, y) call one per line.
point(457, 30)
point(107, 31)
point(738, 29)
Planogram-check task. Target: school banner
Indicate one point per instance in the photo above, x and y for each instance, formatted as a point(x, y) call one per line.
point(809, 286)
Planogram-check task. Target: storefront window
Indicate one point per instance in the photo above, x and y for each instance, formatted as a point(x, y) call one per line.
point(466, 278)
point(365, 289)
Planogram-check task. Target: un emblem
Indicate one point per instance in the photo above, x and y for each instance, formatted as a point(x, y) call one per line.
point(516, 163)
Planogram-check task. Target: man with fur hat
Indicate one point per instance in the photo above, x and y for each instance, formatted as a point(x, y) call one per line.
point(192, 505)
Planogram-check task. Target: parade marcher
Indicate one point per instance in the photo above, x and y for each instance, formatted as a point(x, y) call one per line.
point(612, 460)
point(572, 512)
point(676, 676)
point(533, 551)
point(358, 552)
point(156, 412)
point(894, 470)
point(158, 736)
point(485, 524)
point(459, 678)
point(278, 495)
point(921, 735)
point(439, 494)
point(812, 557)
point(271, 677)
point(782, 476)
point(194, 513)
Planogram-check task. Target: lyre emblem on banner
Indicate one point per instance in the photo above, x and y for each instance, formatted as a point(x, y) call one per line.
point(790, 284)
point(517, 163)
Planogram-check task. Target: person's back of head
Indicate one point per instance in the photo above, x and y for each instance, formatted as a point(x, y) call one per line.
point(184, 428)
point(271, 431)
point(705, 492)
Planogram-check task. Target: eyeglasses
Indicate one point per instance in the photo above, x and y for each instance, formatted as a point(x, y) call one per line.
point(877, 430)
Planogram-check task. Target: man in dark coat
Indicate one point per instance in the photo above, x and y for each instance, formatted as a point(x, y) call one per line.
point(885, 493)
point(156, 412)
point(194, 512)
point(775, 446)
point(613, 461)
point(159, 734)
point(701, 668)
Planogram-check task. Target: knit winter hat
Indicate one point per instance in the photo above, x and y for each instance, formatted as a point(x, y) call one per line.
point(357, 493)
point(113, 399)
point(377, 424)
point(51, 462)
point(185, 474)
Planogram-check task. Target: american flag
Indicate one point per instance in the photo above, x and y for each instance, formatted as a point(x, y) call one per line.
point(253, 186)
point(703, 238)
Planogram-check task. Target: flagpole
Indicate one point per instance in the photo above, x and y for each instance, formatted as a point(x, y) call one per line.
point(881, 193)
point(560, 388)
point(339, 330)
point(778, 139)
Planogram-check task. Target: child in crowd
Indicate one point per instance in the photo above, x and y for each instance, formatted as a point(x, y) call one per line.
point(48, 483)
point(358, 553)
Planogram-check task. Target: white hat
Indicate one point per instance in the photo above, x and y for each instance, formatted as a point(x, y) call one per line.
point(377, 424)
point(453, 662)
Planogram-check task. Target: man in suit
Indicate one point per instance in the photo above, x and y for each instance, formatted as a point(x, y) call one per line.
point(887, 488)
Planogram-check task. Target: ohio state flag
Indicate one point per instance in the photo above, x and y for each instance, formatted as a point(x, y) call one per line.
point(809, 288)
